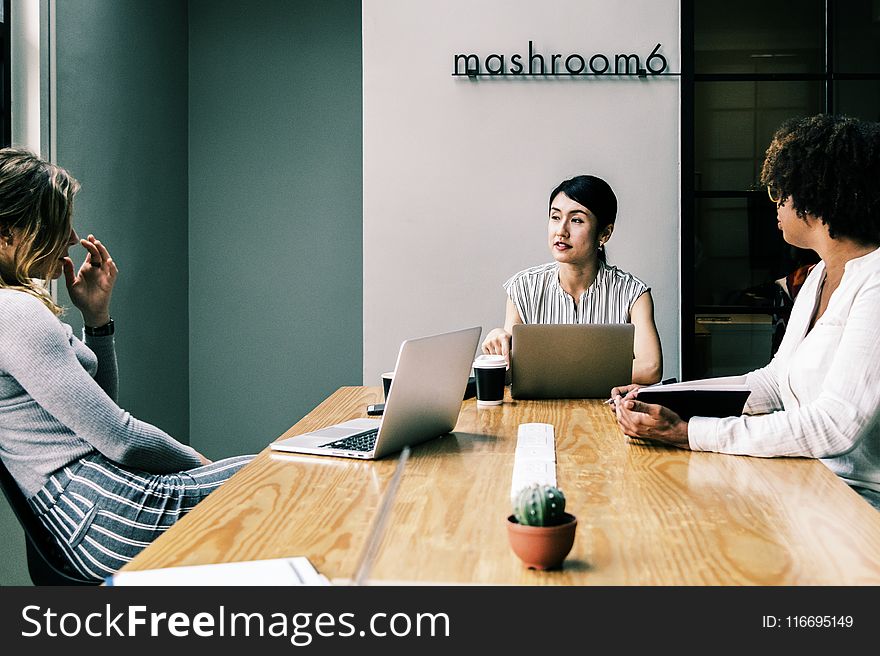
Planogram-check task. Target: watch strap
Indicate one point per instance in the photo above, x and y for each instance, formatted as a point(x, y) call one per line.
point(100, 331)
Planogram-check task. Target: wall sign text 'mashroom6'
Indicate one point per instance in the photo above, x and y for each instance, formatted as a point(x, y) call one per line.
point(573, 65)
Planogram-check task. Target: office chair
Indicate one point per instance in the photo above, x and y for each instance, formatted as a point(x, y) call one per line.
point(46, 564)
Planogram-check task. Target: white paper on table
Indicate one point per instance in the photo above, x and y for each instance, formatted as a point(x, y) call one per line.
point(277, 571)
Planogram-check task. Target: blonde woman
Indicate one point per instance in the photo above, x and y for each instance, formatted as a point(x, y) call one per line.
point(102, 482)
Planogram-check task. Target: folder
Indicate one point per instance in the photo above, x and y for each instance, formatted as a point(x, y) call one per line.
point(702, 398)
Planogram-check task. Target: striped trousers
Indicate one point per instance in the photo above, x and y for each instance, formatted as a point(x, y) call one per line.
point(871, 496)
point(102, 515)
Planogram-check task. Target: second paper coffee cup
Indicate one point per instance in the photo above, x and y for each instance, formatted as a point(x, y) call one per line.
point(386, 382)
point(490, 371)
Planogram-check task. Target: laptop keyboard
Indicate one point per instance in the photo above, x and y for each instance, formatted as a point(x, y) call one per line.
point(360, 442)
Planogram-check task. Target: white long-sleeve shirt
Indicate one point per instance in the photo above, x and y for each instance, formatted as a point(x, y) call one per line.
point(819, 395)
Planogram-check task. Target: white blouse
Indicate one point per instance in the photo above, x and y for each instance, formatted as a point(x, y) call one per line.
point(818, 395)
point(539, 298)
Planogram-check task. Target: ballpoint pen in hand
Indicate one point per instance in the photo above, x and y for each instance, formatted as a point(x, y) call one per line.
point(668, 381)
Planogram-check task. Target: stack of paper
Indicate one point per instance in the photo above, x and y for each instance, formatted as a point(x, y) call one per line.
point(278, 571)
point(535, 458)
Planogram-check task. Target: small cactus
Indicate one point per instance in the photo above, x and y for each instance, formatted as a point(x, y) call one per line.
point(539, 505)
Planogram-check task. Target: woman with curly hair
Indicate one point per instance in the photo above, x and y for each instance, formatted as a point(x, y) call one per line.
point(819, 396)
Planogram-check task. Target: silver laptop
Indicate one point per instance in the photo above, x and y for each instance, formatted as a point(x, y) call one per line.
point(570, 361)
point(423, 402)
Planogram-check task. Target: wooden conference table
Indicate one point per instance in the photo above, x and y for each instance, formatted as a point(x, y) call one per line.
point(647, 515)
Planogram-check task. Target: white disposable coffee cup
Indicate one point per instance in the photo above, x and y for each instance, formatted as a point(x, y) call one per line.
point(490, 372)
point(387, 377)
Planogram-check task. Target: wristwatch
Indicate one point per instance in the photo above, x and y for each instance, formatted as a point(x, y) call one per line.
point(100, 331)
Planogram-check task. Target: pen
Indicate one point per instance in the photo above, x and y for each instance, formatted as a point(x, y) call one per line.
point(668, 381)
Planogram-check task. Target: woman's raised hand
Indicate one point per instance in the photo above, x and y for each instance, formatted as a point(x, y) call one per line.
point(91, 287)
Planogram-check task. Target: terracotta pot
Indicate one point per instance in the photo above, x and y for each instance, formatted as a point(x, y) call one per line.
point(542, 547)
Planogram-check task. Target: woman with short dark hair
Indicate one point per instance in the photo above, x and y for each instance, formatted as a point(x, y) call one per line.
point(579, 286)
point(818, 395)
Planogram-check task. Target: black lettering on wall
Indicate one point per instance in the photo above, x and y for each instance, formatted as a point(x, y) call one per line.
point(655, 54)
point(599, 71)
point(626, 59)
point(629, 64)
point(471, 65)
point(499, 69)
point(532, 59)
point(580, 67)
point(516, 66)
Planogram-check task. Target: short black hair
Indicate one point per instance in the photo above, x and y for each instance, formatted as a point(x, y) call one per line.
point(829, 166)
point(593, 193)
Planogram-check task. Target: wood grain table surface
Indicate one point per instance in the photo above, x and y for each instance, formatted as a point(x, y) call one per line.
point(647, 515)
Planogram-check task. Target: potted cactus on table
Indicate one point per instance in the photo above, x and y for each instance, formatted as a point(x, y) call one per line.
point(541, 533)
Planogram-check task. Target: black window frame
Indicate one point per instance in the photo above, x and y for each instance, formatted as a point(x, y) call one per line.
point(5, 78)
point(689, 196)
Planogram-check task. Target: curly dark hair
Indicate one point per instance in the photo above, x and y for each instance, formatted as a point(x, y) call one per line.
point(829, 166)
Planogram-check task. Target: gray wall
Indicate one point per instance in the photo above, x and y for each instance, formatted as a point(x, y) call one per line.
point(229, 192)
point(274, 214)
point(122, 131)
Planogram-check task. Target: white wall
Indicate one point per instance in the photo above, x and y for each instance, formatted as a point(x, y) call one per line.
point(457, 173)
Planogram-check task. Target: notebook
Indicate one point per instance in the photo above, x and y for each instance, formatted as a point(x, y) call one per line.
point(711, 397)
point(570, 361)
point(423, 402)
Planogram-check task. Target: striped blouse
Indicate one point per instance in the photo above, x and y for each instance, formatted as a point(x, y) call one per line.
point(539, 298)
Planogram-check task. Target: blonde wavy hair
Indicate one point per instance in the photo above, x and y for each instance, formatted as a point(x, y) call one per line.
point(36, 200)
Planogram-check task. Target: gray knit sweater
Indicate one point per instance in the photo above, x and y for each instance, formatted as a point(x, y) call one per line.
point(58, 401)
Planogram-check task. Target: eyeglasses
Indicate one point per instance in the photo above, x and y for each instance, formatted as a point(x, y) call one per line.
point(774, 194)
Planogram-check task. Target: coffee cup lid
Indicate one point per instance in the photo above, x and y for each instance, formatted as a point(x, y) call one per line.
point(490, 361)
